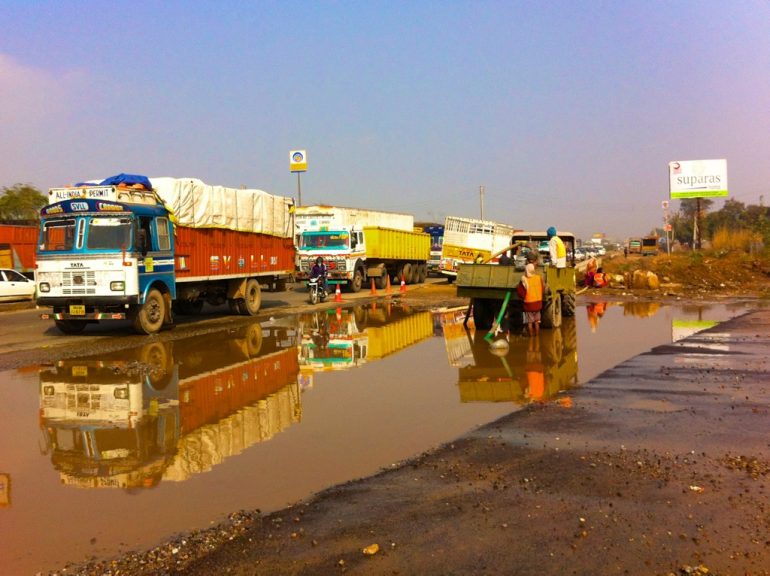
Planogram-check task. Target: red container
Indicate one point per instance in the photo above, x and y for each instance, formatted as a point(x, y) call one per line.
point(17, 247)
point(205, 252)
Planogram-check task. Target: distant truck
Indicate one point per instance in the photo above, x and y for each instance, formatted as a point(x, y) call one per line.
point(467, 240)
point(359, 246)
point(131, 248)
point(17, 247)
point(634, 245)
point(436, 232)
point(488, 284)
point(649, 246)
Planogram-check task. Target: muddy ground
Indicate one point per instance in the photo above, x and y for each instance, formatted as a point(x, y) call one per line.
point(659, 466)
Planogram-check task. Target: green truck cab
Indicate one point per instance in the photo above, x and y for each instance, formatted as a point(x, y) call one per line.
point(487, 285)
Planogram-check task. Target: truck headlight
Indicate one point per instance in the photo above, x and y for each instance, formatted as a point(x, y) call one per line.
point(118, 286)
point(121, 393)
point(44, 287)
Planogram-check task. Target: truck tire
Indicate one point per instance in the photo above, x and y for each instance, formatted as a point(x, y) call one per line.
point(423, 273)
point(381, 282)
point(70, 326)
point(157, 359)
point(252, 300)
point(568, 304)
point(406, 273)
point(357, 282)
point(415, 274)
point(151, 315)
point(551, 315)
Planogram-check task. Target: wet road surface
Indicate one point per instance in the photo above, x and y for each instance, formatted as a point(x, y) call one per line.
point(121, 450)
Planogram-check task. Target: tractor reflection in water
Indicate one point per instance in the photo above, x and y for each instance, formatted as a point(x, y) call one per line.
point(529, 369)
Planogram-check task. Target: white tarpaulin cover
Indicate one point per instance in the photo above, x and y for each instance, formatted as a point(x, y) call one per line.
point(198, 205)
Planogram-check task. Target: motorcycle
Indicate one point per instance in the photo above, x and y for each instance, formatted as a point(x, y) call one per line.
point(316, 290)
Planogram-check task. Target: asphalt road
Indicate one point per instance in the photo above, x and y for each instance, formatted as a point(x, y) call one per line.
point(26, 339)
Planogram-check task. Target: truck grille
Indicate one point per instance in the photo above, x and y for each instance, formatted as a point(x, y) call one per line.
point(77, 283)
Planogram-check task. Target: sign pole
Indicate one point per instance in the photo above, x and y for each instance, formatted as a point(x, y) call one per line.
point(299, 190)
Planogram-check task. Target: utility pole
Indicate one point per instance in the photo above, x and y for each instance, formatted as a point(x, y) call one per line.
point(481, 200)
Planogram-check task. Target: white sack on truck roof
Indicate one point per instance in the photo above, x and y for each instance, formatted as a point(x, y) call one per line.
point(199, 205)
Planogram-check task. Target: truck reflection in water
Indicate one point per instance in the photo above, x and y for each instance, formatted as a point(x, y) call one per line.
point(344, 338)
point(530, 370)
point(168, 410)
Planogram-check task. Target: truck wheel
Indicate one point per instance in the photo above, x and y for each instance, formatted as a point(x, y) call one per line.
point(381, 282)
point(253, 298)
point(423, 273)
point(415, 274)
point(149, 318)
point(357, 282)
point(233, 305)
point(406, 273)
point(568, 305)
point(449, 279)
point(71, 326)
point(253, 340)
point(551, 315)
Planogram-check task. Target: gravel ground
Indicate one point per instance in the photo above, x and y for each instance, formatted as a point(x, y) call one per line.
point(659, 466)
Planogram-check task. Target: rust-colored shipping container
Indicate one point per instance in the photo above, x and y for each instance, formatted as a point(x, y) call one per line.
point(17, 247)
point(205, 252)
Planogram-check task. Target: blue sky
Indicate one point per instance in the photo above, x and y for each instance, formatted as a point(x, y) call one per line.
point(567, 112)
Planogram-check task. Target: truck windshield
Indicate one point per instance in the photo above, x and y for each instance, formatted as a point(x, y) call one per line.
point(58, 235)
point(109, 233)
point(325, 241)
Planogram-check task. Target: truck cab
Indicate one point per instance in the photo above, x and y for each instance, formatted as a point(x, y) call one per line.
point(100, 253)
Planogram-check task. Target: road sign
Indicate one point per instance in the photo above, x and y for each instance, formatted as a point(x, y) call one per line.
point(697, 178)
point(298, 161)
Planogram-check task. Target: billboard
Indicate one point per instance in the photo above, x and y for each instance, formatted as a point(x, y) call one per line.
point(697, 178)
point(298, 161)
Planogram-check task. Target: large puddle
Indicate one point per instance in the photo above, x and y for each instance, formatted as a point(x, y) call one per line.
point(107, 454)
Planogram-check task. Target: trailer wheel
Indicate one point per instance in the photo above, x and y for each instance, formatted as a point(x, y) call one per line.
point(150, 316)
point(234, 306)
point(253, 299)
point(551, 315)
point(406, 273)
point(423, 273)
point(357, 282)
point(70, 326)
point(381, 282)
point(568, 305)
point(253, 340)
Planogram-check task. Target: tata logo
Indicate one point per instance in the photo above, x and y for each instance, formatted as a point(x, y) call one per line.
point(77, 265)
point(79, 206)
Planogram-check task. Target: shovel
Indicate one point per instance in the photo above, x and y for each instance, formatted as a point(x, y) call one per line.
point(496, 324)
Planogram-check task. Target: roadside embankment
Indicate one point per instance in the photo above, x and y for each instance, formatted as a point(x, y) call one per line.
point(658, 466)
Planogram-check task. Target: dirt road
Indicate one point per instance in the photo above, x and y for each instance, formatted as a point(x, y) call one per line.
point(658, 466)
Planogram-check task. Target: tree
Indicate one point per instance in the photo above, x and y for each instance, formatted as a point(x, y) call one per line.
point(21, 202)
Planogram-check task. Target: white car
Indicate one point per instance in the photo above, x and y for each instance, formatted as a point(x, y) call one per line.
point(15, 286)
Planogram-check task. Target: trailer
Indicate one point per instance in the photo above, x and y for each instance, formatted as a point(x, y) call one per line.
point(361, 246)
point(136, 248)
point(468, 240)
point(17, 247)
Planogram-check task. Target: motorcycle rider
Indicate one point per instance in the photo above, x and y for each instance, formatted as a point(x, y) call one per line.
point(319, 271)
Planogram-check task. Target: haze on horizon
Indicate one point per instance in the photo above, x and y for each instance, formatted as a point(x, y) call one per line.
point(566, 112)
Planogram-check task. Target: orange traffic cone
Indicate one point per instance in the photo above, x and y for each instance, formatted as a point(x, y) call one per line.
point(338, 294)
point(387, 284)
point(374, 290)
point(403, 284)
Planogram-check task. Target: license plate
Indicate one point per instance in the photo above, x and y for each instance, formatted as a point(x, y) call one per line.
point(80, 371)
point(77, 310)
